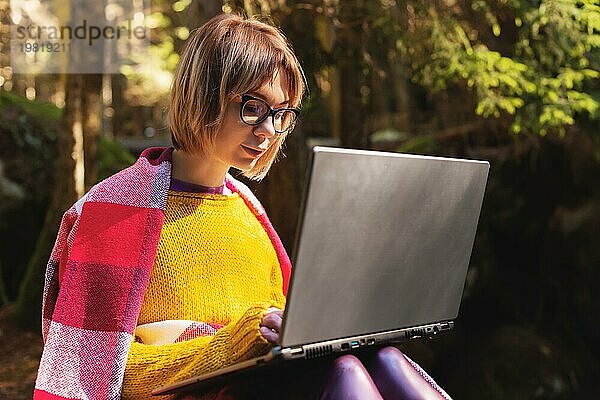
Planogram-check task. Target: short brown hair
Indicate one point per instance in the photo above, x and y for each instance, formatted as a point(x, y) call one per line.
point(228, 56)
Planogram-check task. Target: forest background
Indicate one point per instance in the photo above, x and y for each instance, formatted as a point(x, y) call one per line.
point(514, 82)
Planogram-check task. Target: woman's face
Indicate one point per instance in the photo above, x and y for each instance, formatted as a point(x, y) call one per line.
point(240, 145)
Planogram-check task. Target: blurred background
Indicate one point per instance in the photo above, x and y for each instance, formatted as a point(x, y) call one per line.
point(514, 82)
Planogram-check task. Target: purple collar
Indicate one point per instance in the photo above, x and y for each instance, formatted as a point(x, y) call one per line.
point(182, 186)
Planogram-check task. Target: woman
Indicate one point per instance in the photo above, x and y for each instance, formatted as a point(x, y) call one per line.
point(171, 267)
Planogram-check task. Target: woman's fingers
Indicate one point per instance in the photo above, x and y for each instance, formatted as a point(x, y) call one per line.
point(273, 320)
point(270, 335)
point(271, 325)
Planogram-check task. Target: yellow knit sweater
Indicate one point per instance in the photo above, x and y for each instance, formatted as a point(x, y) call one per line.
point(214, 264)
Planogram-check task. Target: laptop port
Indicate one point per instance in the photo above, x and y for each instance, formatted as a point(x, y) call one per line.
point(345, 346)
point(297, 351)
point(370, 342)
point(354, 344)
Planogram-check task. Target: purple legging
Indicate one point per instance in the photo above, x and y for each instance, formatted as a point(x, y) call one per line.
point(387, 374)
point(383, 373)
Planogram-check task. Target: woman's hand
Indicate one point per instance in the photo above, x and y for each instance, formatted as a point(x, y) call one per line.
point(271, 325)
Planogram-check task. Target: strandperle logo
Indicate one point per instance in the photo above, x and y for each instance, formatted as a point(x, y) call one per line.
point(78, 36)
point(83, 31)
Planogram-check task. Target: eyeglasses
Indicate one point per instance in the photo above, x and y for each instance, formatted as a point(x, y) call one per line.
point(254, 111)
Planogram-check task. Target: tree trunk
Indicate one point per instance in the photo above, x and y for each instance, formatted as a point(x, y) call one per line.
point(350, 56)
point(281, 191)
point(91, 109)
point(28, 303)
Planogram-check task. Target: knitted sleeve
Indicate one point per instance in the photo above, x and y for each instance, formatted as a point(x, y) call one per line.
point(152, 366)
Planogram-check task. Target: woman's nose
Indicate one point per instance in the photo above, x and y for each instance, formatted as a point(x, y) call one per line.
point(265, 128)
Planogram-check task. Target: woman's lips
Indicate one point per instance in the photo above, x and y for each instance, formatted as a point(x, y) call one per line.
point(253, 152)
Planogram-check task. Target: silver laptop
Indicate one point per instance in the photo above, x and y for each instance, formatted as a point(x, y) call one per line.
point(381, 254)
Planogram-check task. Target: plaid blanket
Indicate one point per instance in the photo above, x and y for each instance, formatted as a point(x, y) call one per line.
point(97, 275)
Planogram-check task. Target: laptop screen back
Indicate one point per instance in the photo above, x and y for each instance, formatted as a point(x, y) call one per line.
point(384, 243)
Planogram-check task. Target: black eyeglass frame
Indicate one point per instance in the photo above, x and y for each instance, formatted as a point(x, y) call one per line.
point(271, 113)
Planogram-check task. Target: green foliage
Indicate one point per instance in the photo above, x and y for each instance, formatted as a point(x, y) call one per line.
point(112, 157)
point(545, 82)
point(28, 146)
point(43, 112)
point(499, 82)
point(149, 79)
point(28, 140)
point(29, 117)
point(420, 144)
